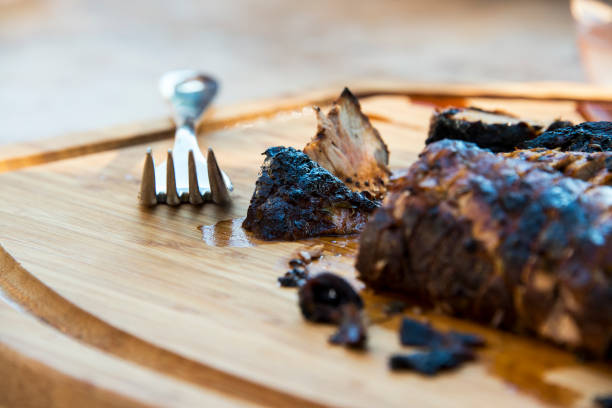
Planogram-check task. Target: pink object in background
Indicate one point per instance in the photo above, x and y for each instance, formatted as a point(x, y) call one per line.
point(594, 25)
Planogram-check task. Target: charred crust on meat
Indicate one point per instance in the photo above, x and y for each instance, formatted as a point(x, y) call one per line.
point(503, 134)
point(542, 258)
point(296, 198)
point(592, 167)
point(496, 130)
point(349, 146)
point(585, 137)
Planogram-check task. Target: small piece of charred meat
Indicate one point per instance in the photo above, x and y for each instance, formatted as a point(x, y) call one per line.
point(323, 295)
point(296, 198)
point(604, 401)
point(351, 331)
point(502, 241)
point(328, 298)
point(446, 350)
point(432, 361)
point(586, 137)
point(415, 333)
point(495, 130)
point(349, 147)
point(595, 168)
point(293, 278)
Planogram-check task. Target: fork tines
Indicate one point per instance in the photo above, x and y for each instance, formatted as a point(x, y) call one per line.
point(148, 196)
point(215, 189)
point(218, 188)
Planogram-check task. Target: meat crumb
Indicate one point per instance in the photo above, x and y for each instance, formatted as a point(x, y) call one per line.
point(446, 350)
point(351, 332)
point(328, 298)
point(416, 333)
point(307, 255)
point(294, 278)
point(431, 362)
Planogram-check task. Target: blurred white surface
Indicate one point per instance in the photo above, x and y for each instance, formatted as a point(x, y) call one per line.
point(68, 65)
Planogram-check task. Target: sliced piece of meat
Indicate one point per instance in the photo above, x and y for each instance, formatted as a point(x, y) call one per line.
point(349, 147)
point(595, 168)
point(585, 137)
point(296, 198)
point(496, 130)
point(502, 241)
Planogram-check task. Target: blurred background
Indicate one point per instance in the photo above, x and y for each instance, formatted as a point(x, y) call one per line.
point(68, 66)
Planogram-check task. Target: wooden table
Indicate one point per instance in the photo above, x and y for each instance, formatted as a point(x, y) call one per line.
point(106, 303)
point(72, 66)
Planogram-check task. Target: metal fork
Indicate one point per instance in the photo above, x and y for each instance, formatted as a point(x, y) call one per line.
point(186, 176)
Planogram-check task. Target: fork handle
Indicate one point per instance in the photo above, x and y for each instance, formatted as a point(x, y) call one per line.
point(185, 140)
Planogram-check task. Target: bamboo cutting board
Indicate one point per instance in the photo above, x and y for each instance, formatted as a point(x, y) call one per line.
point(106, 303)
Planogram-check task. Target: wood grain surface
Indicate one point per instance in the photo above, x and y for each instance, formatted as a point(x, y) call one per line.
point(18, 155)
point(117, 305)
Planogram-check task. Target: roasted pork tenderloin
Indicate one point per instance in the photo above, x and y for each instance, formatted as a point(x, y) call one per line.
point(499, 240)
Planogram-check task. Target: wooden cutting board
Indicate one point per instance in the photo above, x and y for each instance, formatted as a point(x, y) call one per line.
point(106, 303)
